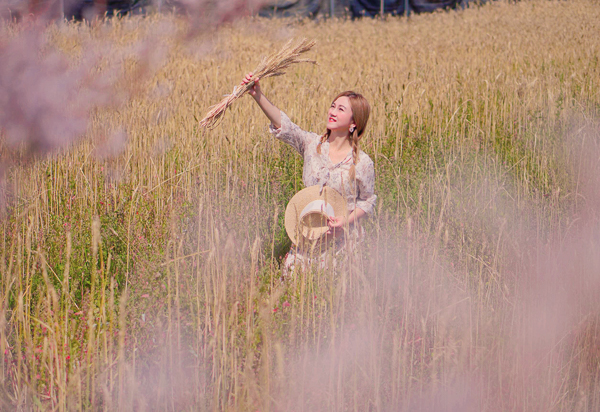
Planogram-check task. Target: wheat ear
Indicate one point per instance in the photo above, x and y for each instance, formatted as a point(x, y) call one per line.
point(274, 65)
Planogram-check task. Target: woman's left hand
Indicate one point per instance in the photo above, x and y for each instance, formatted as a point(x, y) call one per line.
point(335, 224)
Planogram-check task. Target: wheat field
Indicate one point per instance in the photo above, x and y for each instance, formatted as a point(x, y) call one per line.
point(140, 263)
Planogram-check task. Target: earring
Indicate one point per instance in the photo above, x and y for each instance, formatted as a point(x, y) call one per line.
point(352, 129)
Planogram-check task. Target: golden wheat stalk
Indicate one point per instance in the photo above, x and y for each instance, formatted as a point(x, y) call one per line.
point(274, 65)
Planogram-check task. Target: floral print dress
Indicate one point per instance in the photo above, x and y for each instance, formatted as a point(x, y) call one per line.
point(320, 170)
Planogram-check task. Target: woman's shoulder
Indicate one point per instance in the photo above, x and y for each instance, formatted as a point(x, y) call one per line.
point(364, 159)
point(315, 138)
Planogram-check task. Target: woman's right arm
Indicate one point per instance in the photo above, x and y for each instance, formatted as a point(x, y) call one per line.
point(268, 108)
point(282, 128)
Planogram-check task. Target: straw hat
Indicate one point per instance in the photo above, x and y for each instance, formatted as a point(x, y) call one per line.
point(307, 212)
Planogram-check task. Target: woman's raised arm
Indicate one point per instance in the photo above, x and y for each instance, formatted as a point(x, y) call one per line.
point(268, 108)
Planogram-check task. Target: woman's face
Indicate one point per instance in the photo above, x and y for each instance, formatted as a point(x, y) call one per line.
point(339, 116)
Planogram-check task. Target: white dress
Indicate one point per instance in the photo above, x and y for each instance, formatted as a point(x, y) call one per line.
point(318, 170)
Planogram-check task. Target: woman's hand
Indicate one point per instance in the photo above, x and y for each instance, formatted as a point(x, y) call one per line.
point(336, 224)
point(254, 90)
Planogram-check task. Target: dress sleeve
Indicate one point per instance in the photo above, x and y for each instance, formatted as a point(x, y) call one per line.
point(291, 134)
point(365, 179)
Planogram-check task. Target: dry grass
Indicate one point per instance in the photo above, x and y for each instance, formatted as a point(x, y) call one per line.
point(149, 280)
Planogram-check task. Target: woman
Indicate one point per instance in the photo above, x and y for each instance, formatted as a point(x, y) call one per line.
point(331, 159)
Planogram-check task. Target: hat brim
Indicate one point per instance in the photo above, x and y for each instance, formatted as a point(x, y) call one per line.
point(303, 198)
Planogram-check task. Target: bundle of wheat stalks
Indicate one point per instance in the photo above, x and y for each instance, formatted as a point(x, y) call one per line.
point(274, 65)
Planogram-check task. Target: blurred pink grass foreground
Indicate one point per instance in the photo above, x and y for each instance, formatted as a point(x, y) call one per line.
point(45, 102)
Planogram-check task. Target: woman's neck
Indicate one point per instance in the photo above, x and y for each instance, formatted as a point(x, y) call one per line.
point(338, 141)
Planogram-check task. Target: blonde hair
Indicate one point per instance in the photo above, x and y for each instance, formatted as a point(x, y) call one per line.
point(360, 116)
